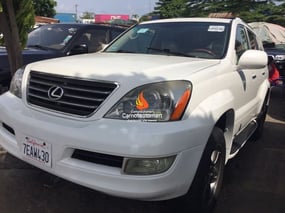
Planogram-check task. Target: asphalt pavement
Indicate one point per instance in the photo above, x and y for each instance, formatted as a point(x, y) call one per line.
point(254, 181)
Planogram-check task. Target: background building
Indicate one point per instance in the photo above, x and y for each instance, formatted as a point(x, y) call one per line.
point(99, 18)
point(66, 17)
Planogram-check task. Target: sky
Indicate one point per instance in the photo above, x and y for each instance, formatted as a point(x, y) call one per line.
point(128, 7)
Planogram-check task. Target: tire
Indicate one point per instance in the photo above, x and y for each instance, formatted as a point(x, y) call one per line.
point(206, 186)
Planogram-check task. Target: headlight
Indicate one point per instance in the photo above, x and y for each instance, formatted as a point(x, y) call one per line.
point(279, 57)
point(163, 101)
point(16, 83)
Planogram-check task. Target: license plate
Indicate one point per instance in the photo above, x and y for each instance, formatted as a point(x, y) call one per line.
point(37, 150)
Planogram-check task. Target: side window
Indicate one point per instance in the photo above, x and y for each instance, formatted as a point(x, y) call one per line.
point(115, 33)
point(94, 39)
point(241, 44)
point(98, 38)
point(253, 41)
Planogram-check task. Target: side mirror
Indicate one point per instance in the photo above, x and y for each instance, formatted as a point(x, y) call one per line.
point(78, 49)
point(253, 59)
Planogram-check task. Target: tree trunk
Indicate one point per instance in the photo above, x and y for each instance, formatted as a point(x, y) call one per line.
point(11, 36)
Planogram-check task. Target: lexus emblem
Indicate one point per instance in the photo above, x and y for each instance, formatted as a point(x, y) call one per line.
point(55, 93)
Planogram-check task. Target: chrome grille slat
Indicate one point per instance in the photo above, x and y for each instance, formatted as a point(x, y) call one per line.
point(37, 89)
point(39, 97)
point(85, 98)
point(80, 97)
point(86, 90)
point(40, 82)
point(65, 102)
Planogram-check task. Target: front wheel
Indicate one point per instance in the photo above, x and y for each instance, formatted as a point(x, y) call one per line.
point(207, 183)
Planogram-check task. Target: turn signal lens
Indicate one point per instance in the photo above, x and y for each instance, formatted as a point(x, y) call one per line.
point(181, 105)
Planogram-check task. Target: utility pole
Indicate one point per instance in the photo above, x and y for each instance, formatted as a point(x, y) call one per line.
point(76, 5)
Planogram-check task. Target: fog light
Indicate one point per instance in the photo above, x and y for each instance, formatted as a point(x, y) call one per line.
point(148, 166)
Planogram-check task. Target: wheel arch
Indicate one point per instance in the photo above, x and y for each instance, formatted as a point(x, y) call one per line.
point(226, 124)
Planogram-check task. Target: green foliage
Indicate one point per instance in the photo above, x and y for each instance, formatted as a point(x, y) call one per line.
point(170, 8)
point(25, 18)
point(248, 10)
point(87, 15)
point(45, 8)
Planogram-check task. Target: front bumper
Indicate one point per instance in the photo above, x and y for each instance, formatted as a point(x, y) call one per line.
point(184, 139)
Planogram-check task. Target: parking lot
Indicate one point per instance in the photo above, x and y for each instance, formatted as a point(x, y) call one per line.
point(253, 182)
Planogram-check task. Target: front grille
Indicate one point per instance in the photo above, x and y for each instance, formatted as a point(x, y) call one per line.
point(98, 158)
point(80, 97)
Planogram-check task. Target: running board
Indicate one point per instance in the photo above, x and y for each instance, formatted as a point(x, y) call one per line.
point(243, 136)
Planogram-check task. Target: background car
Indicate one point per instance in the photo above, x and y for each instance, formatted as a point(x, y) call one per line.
point(57, 40)
point(277, 52)
point(272, 36)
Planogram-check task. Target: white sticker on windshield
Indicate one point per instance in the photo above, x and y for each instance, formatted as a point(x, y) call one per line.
point(215, 28)
point(143, 30)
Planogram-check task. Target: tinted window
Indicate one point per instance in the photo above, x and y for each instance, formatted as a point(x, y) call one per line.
point(241, 44)
point(94, 39)
point(116, 32)
point(51, 36)
point(252, 41)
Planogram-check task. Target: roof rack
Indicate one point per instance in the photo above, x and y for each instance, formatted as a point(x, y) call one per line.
point(222, 15)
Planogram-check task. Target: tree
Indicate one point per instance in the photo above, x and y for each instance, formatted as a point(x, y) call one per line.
point(204, 7)
point(170, 8)
point(87, 15)
point(248, 10)
point(16, 17)
point(45, 8)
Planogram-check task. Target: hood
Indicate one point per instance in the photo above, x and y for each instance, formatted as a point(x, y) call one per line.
point(33, 54)
point(3, 50)
point(274, 51)
point(121, 67)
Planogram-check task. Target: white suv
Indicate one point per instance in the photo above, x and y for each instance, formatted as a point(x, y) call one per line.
point(154, 116)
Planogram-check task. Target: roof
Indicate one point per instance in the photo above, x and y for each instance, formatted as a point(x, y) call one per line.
point(81, 25)
point(221, 15)
point(221, 20)
point(269, 32)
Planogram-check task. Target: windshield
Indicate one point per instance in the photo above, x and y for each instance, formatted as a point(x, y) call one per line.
point(51, 36)
point(188, 39)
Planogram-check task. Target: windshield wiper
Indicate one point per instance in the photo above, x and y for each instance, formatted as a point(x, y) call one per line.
point(124, 51)
point(169, 52)
point(38, 46)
